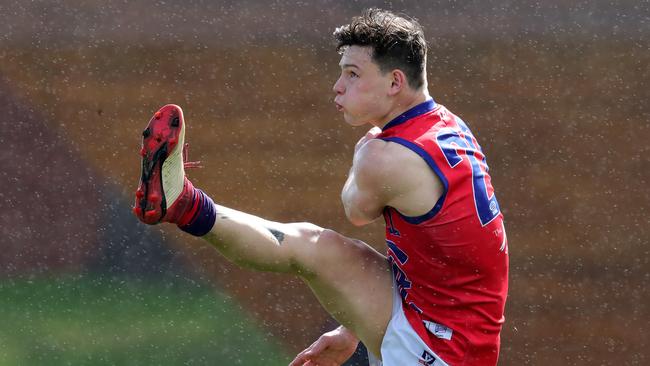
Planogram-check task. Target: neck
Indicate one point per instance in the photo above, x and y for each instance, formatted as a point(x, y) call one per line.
point(404, 104)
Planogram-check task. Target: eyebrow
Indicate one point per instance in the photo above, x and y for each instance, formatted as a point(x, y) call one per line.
point(343, 66)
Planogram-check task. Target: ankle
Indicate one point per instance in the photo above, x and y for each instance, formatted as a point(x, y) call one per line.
point(199, 219)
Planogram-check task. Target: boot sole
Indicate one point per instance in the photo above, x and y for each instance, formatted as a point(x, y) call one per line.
point(159, 139)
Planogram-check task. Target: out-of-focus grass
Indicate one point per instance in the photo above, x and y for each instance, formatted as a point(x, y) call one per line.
point(95, 321)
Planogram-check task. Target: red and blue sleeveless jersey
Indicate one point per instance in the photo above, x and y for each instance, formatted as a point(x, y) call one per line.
point(450, 264)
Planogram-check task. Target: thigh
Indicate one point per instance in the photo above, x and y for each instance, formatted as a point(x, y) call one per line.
point(353, 282)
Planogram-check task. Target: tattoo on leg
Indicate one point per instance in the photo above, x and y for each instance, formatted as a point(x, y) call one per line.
point(279, 235)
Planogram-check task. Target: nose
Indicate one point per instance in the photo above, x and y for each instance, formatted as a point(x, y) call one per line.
point(338, 86)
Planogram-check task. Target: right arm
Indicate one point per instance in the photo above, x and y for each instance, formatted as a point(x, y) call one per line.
point(388, 174)
point(363, 196)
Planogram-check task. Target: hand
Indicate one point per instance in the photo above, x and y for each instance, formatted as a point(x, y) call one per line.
point(374, 132)
point(331, 349)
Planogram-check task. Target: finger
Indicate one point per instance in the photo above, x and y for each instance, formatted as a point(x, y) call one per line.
point(301, 358)
point(313, 350)
point(298, 361)
point(318, 347)
point(308, 351)
point(315, 363)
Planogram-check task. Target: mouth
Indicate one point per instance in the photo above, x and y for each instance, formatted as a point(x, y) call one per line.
point(339, 107)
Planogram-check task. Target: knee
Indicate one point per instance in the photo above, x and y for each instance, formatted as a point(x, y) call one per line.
point(320, 248)
point(331, 242)
point(308, 233)
point(327, 236)
point(320, 239)
point(335, 251)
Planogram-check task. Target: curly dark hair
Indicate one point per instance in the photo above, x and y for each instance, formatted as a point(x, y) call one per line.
point(397, 42)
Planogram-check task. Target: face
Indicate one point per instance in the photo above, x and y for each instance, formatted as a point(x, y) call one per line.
point(362, 89)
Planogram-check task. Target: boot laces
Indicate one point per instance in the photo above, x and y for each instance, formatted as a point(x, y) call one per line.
point(189, 164)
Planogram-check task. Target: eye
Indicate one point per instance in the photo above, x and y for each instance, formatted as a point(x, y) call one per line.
point(353, 74)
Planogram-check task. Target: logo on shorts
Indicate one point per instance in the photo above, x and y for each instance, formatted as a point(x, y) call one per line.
point(427, 359)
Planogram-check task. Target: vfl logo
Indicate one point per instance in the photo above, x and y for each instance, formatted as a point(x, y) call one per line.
point(427, 359)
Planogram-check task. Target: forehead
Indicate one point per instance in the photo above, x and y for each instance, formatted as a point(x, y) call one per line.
point(358, 56)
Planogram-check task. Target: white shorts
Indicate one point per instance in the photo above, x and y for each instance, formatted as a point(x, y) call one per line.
point(401, 346)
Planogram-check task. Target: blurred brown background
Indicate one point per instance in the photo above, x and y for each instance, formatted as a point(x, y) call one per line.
point(556, 92)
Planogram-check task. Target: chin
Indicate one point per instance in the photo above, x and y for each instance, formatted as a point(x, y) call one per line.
point(352, 121)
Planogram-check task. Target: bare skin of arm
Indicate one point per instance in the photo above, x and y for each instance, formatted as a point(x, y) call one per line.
point(387, 174)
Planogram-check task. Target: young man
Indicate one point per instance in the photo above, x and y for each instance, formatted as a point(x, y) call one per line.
point(439, 295)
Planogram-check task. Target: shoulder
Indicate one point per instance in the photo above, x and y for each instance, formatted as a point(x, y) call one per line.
point(385, 161)
point(399, 175)
point(377, 156)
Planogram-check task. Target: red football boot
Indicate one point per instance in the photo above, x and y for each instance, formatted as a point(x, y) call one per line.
point(164, 193)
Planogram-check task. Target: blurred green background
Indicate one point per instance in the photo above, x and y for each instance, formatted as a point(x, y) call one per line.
point(556, 92)
point(91, 320)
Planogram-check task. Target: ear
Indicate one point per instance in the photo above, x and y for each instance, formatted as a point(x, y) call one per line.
point(398, 81)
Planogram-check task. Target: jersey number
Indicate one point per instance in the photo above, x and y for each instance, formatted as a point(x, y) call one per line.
point(403, 283)
point(458, 145)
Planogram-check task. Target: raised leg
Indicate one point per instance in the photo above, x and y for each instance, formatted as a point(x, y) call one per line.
point(350, 279)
